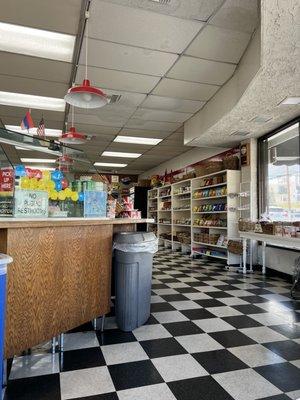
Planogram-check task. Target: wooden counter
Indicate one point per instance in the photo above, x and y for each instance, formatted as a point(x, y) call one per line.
point(60, 277)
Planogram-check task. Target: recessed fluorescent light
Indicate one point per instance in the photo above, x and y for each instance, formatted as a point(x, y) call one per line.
point(120, 154)
point(31, 101)
point(137, 140)
point(107, 164)
point(41, 168)
point(32, 131)
point(290, 101)
point(36, 42)
point(38, 160)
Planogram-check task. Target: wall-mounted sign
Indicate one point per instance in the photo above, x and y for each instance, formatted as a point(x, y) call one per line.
point(6, 205)
point(31, 204)
point(6, 179)
point(245, 154)
point(115, 179)
point(95, 204)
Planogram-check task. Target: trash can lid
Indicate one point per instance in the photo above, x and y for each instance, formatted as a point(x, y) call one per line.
point(4, 260)
point(134, 237)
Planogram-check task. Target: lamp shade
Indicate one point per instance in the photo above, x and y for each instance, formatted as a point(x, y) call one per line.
point(86, 96)
point(73, 137)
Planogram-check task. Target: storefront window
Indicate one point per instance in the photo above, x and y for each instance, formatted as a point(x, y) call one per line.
point(280, 174)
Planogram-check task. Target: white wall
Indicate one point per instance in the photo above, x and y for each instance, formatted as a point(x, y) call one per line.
point(185, 159)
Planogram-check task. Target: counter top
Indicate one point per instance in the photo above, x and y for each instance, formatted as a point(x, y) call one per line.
point(45, 222)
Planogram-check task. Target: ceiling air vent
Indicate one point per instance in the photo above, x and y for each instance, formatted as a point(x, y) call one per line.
point(240, 133)
point(165, 2)
point(114, 98)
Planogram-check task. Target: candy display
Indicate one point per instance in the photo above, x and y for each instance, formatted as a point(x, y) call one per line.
point(213, 192)
point(181, 190)
point(210, 221)
point(210, 207)
point(182, 221)
point(55, 183)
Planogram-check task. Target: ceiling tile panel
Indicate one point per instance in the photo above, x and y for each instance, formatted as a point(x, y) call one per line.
point(185, 90)
point(158, 115)
point(171, 104)
point(19, 112)
point(118, 80)
point(32, 86)
point(203, 71)
point(33, 67)
point(219, 44)
point(239, 15)
point(55, 15)
point(152, 125)
point(142, 28)
point(103, 119)
point(106, 133)
point(127, 58)
point(199, 10)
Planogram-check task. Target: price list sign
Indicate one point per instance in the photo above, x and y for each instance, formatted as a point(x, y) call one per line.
point(31, 204)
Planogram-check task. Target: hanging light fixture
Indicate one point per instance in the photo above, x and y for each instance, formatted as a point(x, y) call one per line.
point(85, 95)
point(72, 136)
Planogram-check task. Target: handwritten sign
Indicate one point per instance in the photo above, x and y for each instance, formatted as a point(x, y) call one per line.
point(31, 204)
point(6, 205)
point(6, 179)
point(95, 203)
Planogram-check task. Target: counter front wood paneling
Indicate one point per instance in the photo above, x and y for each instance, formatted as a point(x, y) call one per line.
point(60, 278)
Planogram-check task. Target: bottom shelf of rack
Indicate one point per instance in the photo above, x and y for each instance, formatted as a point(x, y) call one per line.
point(210, 255)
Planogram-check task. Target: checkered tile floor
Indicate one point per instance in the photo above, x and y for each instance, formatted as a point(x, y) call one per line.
point(212, 335)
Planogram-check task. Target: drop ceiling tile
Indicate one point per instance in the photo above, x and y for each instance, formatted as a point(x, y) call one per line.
point(54, 15)
point(107, 133)
point(9, 120)
point(19, 112)
point(34, 67)
point(157, 115)
point(32, 86)
point(151, 125)
point(144, 133)
point(127, 58)
point(97, 120)
point(239, 15)
point(172, 104)
point(219, 44)
point(199, 10)
point(141, 28)
point(185, 90)
point(203, 71)
point(118, 80)
point(111, 112)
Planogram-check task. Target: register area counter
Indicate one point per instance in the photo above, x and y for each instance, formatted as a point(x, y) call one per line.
point(60, 277)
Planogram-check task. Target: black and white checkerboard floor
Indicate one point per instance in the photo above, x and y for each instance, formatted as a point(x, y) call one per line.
point(212, 335)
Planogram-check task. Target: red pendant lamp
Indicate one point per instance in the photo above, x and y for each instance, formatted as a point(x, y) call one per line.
point(72, 136)
point(85, 95)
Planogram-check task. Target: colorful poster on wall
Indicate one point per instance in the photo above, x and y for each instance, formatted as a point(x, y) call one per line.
point(95, 204)
point(31, 204)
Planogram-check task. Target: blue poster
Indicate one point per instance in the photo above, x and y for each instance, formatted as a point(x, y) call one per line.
point(95, 203)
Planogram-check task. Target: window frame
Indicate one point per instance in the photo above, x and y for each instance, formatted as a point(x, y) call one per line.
point(261, 166)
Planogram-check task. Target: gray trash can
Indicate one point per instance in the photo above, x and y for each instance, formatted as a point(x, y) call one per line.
point(133, 259)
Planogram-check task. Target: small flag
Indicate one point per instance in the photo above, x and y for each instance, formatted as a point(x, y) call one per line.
point(27, 122)
point(41, 128)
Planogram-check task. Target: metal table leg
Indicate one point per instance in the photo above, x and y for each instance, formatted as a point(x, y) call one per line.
point(263, 258)
point(244, 255)
point(251, 256)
